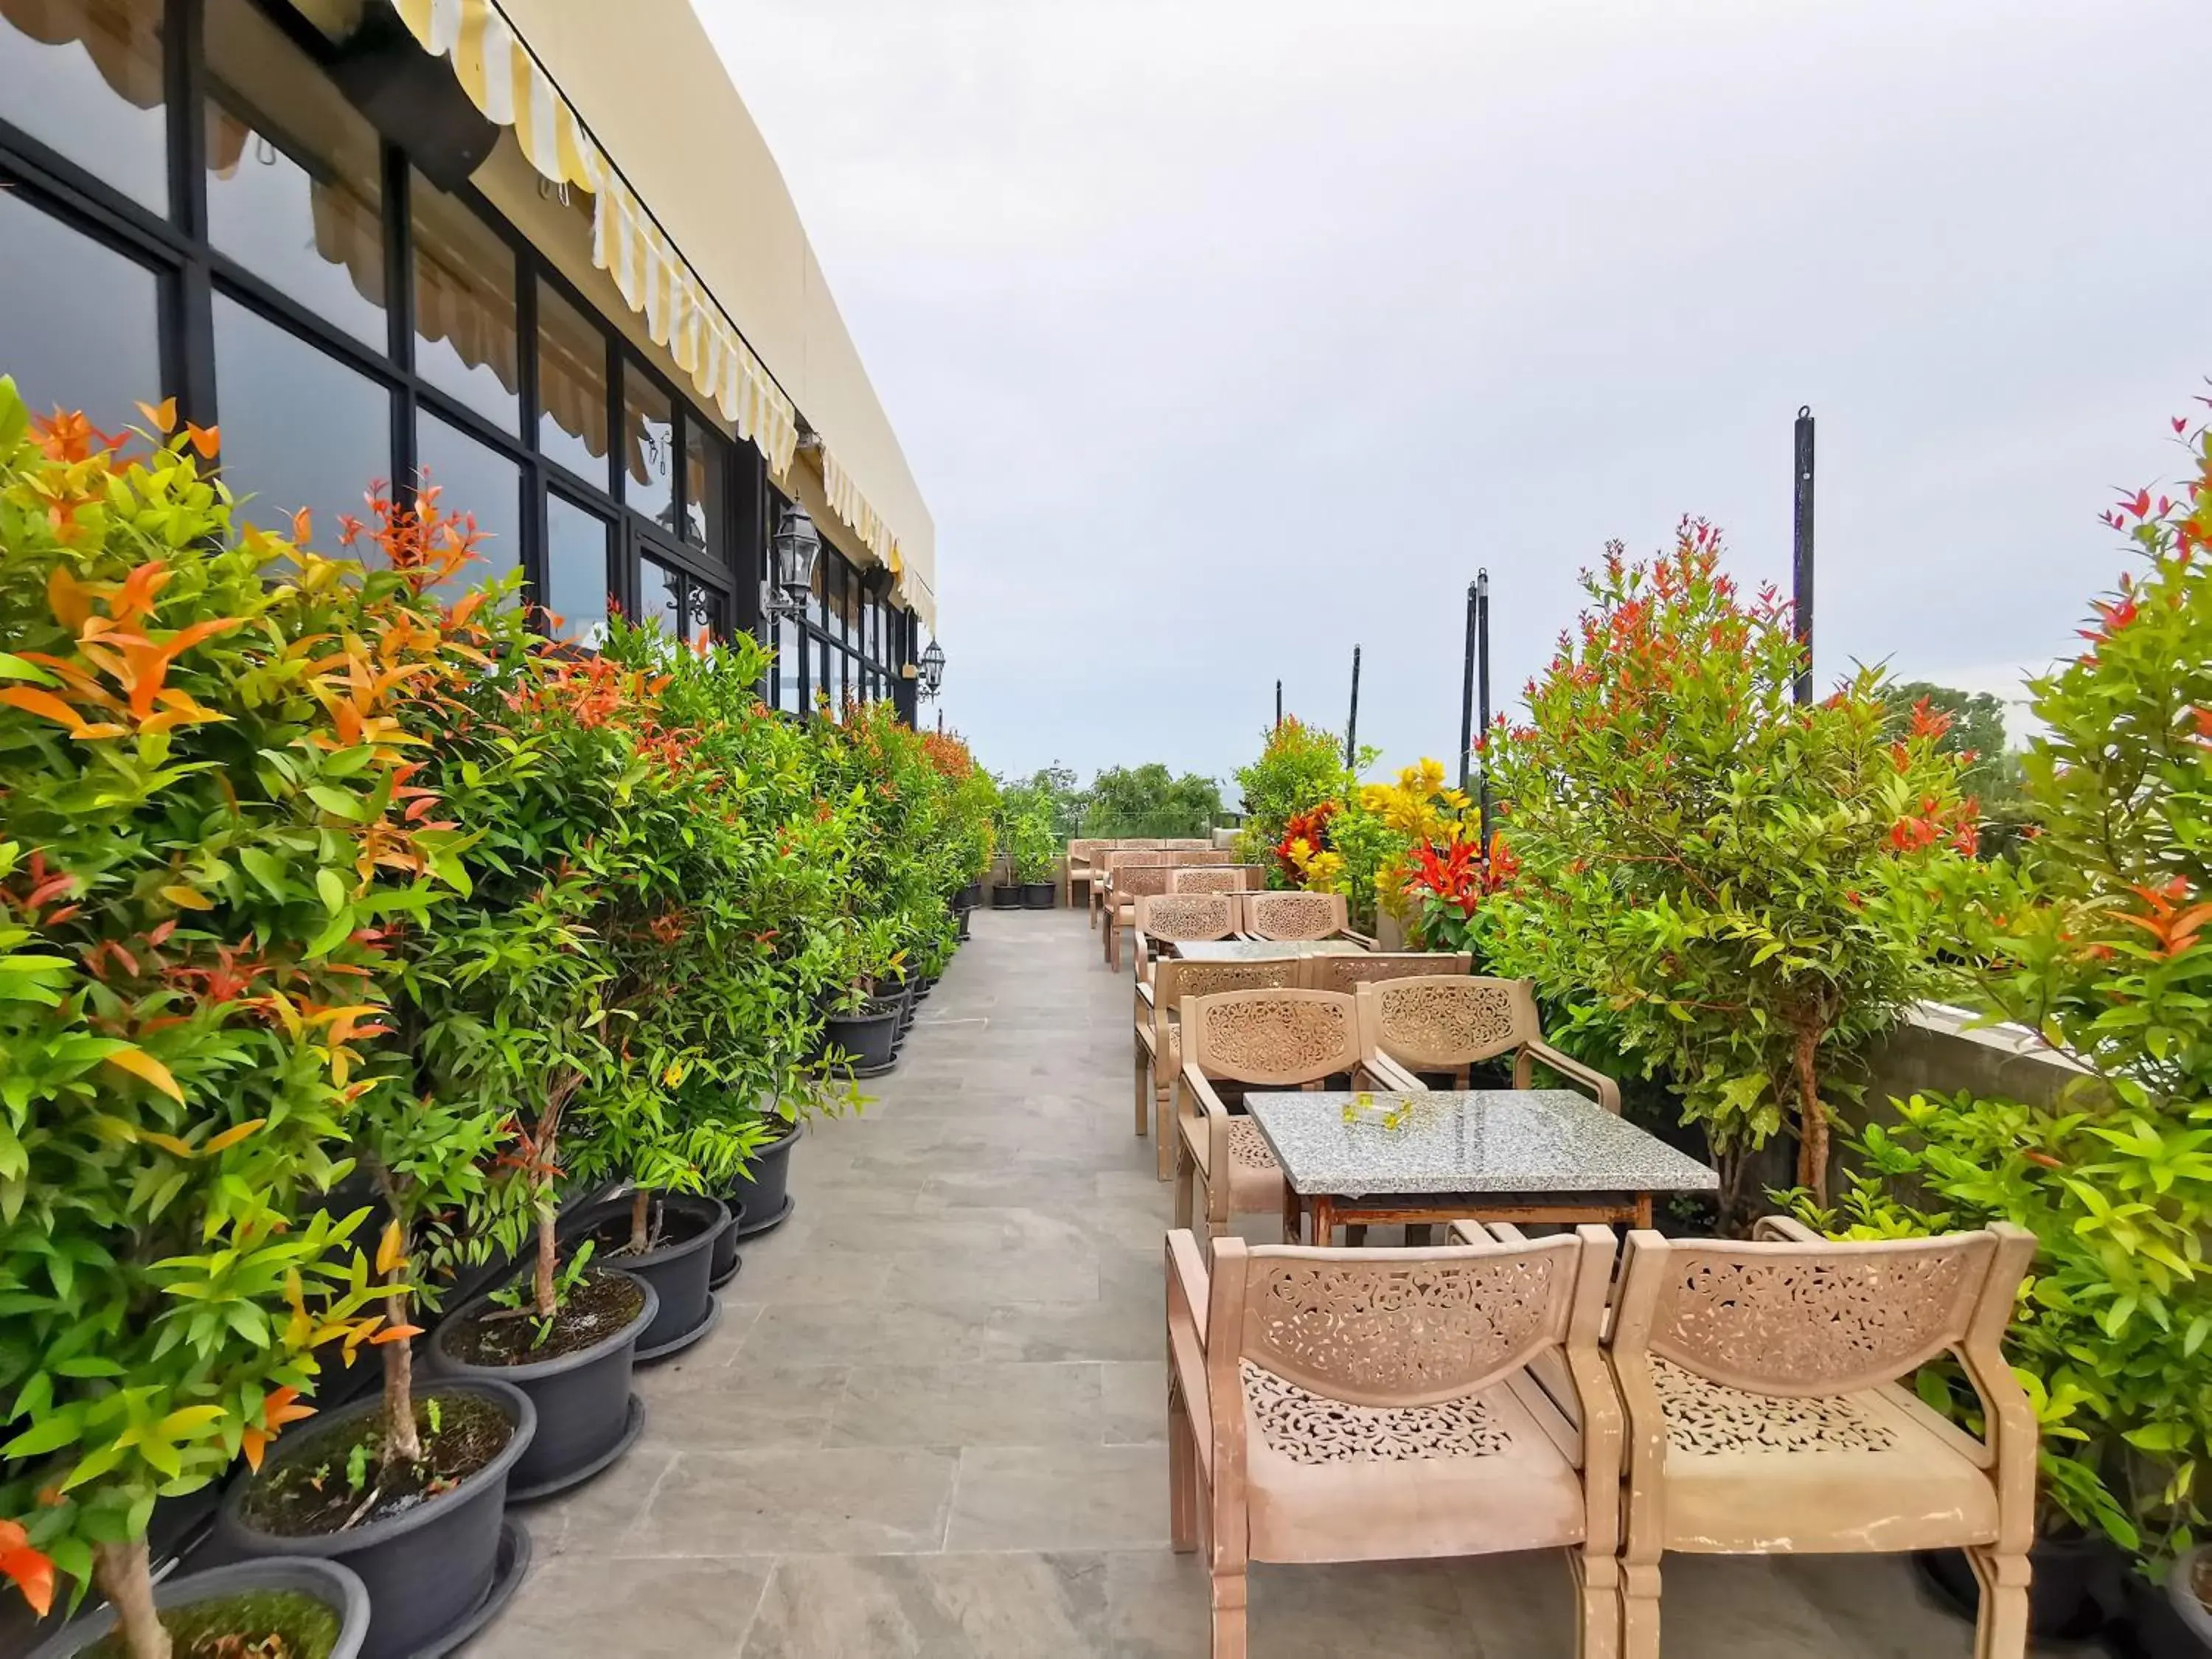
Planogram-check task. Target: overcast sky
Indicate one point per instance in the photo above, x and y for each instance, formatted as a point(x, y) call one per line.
point(1223, 335)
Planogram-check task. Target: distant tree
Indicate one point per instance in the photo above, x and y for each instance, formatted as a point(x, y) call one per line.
point(1149, 801)
point(1051, 793)
point(1994, 776)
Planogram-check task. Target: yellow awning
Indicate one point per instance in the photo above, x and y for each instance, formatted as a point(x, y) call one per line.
point(507, 83)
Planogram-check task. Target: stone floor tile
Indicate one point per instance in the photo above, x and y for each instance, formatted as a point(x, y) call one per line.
point(740, 1405)
point(984, 1404)
point(1132, 1395)
point(1060, 1498)
point(1010, 1606)
point(665, 1609)
point(786, 1502)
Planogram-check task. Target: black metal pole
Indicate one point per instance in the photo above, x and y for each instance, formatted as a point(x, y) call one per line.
point(1800, 570)
point(1352, 725)
point(1482, 684)
point(1278, 704)
point(1466, 693)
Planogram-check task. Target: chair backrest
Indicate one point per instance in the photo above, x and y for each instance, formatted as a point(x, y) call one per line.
point(1141, 843)
point(1137, 881)
point(1271, 1035)
point(1131, 858)
point(1202, 844)
point(1208, 878)
point(1174, 980)
point(1187, 916)
point(1079, 852)
point(1802, 1319)
point(1441, 1021)
point(1295, 915)
point(1403, 1328)
point(1348, 973)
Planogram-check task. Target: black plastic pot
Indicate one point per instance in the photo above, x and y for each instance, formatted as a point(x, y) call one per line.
point(1006, 898)
point(678, 1273)
point(964, 915)
point(2166, 1621)
point(868, 1038)
point(433, 1574)
point(762, 1202)
point(587, 1415)
point(337, 1586)
point(2068, 1593)
point(971, 896)
point(1038, 894)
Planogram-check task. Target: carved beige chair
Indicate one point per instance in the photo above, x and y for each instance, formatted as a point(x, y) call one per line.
point(1132, 883)
point(1764, 1413)
point(1188, 844)
point(1172, 918)
point(1281, 916)
point(1159, 1029)
point(1446, 1022)
point(1079, 856)
point(1215, 878)
point(1260, 1039)
point(1348, 973)
point(1103, 865)
point(1330, 1405)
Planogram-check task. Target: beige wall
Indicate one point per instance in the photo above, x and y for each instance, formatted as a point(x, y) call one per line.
point(648, 84)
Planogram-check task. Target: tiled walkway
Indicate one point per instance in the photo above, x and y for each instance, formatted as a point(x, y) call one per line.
point(930, 1423)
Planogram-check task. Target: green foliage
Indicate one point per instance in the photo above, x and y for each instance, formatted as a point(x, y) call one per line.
point(1150, 802)
point(2095, 938)
point(1994, 775)
point(206, 831)
point(1300, 766)
point(1717, 882)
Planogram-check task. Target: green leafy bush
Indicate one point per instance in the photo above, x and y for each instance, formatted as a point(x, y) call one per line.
point(1150, 802)
point(1300, 767)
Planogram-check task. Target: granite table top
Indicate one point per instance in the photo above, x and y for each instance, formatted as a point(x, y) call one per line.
point(1264, 949)
point(1485, 1140)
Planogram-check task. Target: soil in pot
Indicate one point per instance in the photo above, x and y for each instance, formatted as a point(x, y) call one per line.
point(258, 1625)
point(305, 1497)
point(426, 1539)
point(677, 1260)
point(602, 1304)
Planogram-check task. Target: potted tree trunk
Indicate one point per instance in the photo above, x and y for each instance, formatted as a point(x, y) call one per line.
point(667, 1240)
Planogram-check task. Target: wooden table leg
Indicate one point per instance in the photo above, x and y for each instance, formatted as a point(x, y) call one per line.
point(1644, 1210)
point(1293, 1218)
point(1324, 1219)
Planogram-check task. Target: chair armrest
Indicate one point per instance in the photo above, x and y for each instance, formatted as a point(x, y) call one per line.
point(1607, 1092)
point(1783, 1230)
point(1366, 941)
point(1393, 1078)
point(1212, 1116)
point(1145, 993)
point(1189, 1287)
point(1488, 1232)
point(1144, 954)
point(1188, 1294)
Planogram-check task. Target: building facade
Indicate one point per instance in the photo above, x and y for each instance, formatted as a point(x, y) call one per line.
point(402, 240)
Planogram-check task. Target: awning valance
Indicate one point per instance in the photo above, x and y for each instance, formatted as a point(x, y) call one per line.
point(505, 81)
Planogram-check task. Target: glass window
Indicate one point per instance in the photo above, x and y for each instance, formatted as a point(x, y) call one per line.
point(833, 597)
point(293, 170)
point(657, 591)
point(575, 571)
point(572, 388)
point(648, 449)
point(706, 463)
point(817, 609)
point(87, 333)
point(819, 687)
point(299, 428)
point(478, 481)
point(703, 613)
point(464, 320)
point(89, 85)
point(790, 659)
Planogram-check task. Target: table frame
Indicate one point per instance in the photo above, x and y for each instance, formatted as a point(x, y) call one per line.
point(1329, 1211)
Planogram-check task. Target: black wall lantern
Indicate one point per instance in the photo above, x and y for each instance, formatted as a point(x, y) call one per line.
point(796, 547)
point(932, 669)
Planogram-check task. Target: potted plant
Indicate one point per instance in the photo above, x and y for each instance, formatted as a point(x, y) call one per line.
point(293, 1605)
point(1034, 854)
point(204, 828)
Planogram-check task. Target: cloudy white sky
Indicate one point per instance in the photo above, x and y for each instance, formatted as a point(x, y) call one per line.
point(1223, 334)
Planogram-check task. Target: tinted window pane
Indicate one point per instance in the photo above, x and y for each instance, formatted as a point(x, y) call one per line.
point(292, 174)
point(705, 463)
point(82, 322)
point(790, 659)
point(88, 84)
point(704, 613)
point(478, 483)
point(572, 388)
point(648, 449)
point(576, 571)
point(657, 591)
point(298, 428)
point(833, 597)
point(464, 323)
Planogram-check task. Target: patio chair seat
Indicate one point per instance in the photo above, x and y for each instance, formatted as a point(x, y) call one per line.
point(1329, 1481)
point(1740, 1464)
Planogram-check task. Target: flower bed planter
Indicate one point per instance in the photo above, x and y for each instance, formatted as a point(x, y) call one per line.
point(867, 1039)
point(1038, 894)
point(336, 1587)
point(678, 1268)
point(587, 1415)
point(763, 1202)
point(2172, 1620)
point(2067, 1597)
point(1006, 898)
point(435, 1573)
